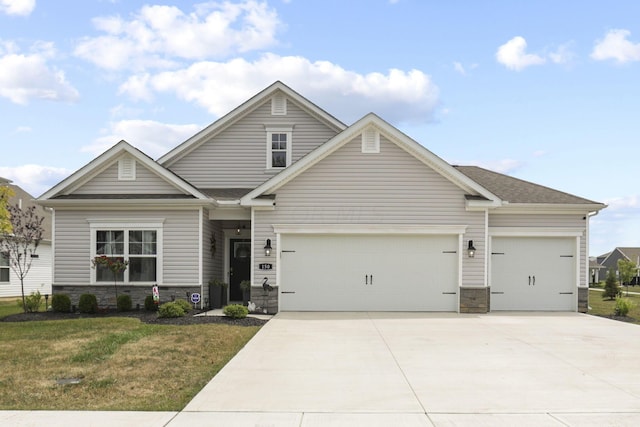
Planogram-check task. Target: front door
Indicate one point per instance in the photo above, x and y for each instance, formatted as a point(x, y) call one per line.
point(239, 266)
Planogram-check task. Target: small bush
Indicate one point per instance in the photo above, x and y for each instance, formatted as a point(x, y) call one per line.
point(150, 304)
point(236, 311)
point(170, 310)
point(184, 304)
point(31, 302)
point(124, 303)
point(61, 303)
point(88, 303)
point(623, 306)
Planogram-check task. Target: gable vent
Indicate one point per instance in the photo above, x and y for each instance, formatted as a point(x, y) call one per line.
point(278, 105)
point(127, 169)
point(370, 140)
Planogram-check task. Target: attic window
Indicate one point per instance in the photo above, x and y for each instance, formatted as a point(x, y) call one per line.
point(370, 140)
point(278, 105)
point(127, 169)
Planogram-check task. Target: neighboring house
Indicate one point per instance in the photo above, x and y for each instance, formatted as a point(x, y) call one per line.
point(39, 276)
point(609, 261)
point(332, 217)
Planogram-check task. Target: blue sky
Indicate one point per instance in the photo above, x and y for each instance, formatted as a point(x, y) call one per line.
point(546, 91)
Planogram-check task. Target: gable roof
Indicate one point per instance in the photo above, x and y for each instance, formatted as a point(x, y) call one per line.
point(63, 189)
point(630, 253)
point(514, 190)
point(240, 111)
point(395, 136)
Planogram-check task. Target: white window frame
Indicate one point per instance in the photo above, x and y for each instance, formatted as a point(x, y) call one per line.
point(287, 130)
point(6, 267)
point(152, 225)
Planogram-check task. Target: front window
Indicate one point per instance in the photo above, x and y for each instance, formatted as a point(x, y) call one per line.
point(4, 267)
point(279, 147)
point(138, 247)
point(278, 150)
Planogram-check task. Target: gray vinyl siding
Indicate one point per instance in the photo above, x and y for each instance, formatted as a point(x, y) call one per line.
point(180, 244)
point(146, 182)
point(548, 222)
point(236, 157)
point(391, 187)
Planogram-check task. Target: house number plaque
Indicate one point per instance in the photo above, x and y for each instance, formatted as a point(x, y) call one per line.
point(266, 266)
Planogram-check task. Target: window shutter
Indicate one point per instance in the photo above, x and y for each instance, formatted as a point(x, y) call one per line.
point(127, 169)
point(278, 105)
point(370, 140)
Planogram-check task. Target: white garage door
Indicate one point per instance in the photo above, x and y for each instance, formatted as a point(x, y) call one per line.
point(368, 273)
point(533, 273)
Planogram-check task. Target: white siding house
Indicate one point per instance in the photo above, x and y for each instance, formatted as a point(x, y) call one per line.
point(318, 215)
point(38, 277)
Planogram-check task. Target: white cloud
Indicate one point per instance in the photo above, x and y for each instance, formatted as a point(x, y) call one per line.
point(17, 7)
point(28, 76)
point(616, 46)
point(562, 55)
point(158, 36)
point(151, 137)
point(617, 225)
point(22, 129)
point(34, 179)
point(459, 68)
point(398, 96)
point(513, 55)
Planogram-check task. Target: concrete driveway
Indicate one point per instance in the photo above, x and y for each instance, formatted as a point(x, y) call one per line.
point(425, 369)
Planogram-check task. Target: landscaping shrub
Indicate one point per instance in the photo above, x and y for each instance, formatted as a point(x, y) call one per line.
point(184, 304)
point(611, 288)
point(170, 310)
point(124, 303)
point(61, 303)
point(236, 311)
point(623, 306)
point(88, 303)
point(150, 304)
point(31, 302)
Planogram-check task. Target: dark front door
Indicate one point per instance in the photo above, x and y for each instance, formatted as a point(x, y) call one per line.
point(239, 266)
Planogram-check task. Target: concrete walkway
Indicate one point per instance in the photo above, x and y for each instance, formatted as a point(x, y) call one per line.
point(412, 369)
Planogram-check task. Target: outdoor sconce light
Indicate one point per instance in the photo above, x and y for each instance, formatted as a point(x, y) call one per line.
point(471, 250)
point(267, 248)
point(238, 231)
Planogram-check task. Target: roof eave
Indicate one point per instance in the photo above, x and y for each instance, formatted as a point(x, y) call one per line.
point(549, 208)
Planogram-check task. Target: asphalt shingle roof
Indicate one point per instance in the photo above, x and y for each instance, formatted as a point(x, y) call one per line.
point(514, 190)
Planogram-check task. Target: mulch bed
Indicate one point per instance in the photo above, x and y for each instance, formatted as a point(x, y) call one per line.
point(144, 316)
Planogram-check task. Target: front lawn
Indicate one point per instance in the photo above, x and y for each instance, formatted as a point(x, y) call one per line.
point(600, 307)
point(119, 363)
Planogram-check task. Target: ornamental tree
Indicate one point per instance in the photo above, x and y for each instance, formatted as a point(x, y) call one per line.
point(611, 288)
point(21, 241)
point(627, 270)
point(5, 219)
point(116, 265)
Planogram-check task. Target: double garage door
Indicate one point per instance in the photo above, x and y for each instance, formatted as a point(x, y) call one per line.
point(368, 272)
point(533, 273)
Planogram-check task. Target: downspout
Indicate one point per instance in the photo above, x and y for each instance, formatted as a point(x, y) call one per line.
point(200, 249)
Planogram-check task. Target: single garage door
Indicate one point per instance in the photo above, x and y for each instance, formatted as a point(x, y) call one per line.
point(368, 273)
point(533, 273)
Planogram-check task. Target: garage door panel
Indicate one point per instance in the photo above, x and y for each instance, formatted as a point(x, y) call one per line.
point(533, 273)
point(362, 273)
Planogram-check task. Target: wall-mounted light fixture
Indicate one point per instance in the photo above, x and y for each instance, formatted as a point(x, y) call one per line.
point(471, 250)
point(267, 248)
point(238, 230)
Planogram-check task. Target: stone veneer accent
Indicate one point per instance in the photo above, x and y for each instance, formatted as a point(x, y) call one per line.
point(106, 295)
point(263, 299)
point(583, 299)
point(474, 300)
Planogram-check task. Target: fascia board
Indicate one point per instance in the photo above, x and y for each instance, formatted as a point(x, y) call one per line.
point(548, 208)
point(237, 113)
point(124, 203)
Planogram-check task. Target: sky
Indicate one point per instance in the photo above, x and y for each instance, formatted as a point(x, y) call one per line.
point(546, 91)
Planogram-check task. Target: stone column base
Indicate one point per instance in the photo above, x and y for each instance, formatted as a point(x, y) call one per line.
point(474, 300)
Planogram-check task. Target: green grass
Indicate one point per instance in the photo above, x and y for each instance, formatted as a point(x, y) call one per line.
point(601, 307)
point(122, 364)
point(9, 306)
